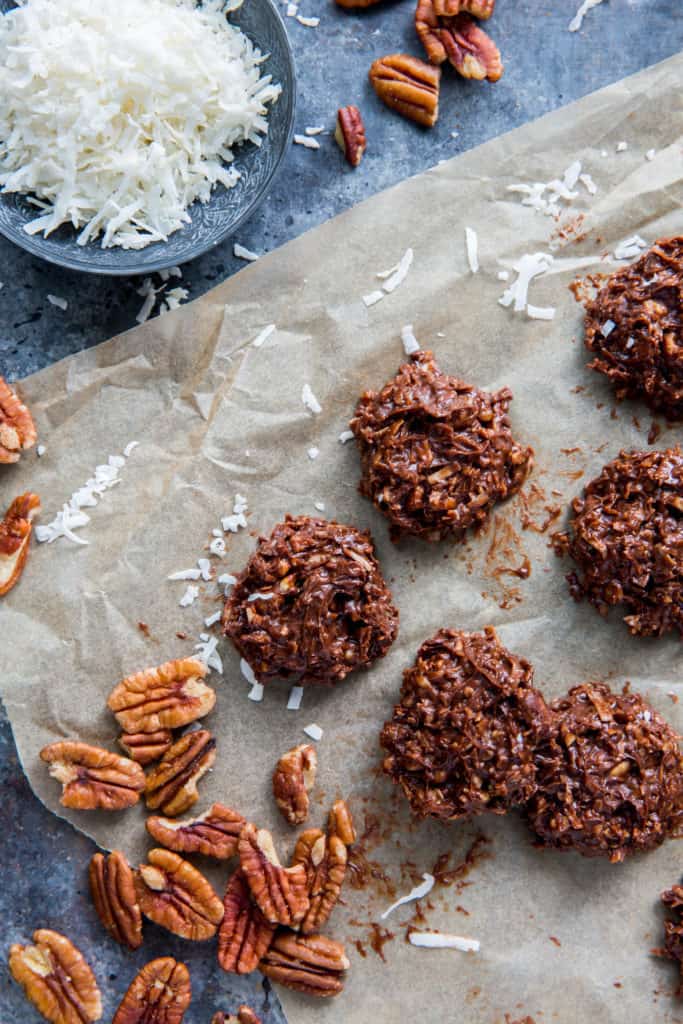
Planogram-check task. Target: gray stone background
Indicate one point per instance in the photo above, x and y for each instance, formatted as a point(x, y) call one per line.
point(44, 861)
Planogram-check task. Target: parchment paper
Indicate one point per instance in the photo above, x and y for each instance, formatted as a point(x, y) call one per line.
point(215, 416)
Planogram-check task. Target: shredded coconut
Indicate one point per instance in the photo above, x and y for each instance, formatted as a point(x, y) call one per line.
point(531, 265)
point(472, 246)
point(185, 574)
point(588, 184)
point(306, 141)
point(308, 22)
point(130, 448)
point(71, 517)
point(534, 195)
point(309, 400)
point(651, 154)
point(577, 20)
point(630, 248)
point(622, 147)
point(60, 303)
point(205, 568)
point(227, 580)
point(410, 342)
point(314, 731)
point(607, 328)
point(291, 10)
point(241, 253)
point(173, 299)
point(441, 940)
point(236, 521)
point(119, 115)
point(314, 130)
point(295, 697)
point(206, 652)
point(211, 620)
point(372, 298)
point(503, 275)
point(399, 273)
point(263, 336)
point(313, 453)
point(260, 596)
point(40, 450)
point(418, 893)
point(346, 435)
point(256, 692)
point(319, 505)
point(190, 596)
point(217, 547)
point(540, 312)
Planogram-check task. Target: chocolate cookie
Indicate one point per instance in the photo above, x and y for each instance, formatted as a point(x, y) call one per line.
point(311, 604)
point(436, 453)
point(462, 738)
point(610, 782)
point(634, 327)
point(627, 539)
point(673, 929)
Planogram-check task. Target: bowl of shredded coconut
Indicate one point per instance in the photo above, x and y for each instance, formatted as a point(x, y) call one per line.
point(137, 134)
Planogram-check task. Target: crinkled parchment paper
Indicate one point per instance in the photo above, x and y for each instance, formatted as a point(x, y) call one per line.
point(215, 416)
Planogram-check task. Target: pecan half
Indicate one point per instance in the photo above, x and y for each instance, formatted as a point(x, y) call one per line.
point(340, 823)
point(349, 134)
point(408, 86)
point(293, 778)
point(15, 537)
point(166, 697)
point(145, 747)
point(312, 964)
point(159, 994)
point(112, 888)
point(92, 778)
point(17, 429)
point(175, 895)
point(279, 893)
point(172, 786)
point(244, 935)
point(244, 1015)
point(213, 833)
point(477, 8)
point(324, 859)
point(56, 978)
point(469, 49)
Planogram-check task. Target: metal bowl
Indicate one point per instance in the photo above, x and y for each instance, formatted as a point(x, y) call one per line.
point(212, 222)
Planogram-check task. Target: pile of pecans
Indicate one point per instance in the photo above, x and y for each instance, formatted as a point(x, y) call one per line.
point(17, 434)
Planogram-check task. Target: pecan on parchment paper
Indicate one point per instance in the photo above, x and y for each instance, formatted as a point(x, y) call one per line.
point(626, 537)
point(17, 429)
point(634, 328)
point(244, 1015)
point(56, 978)
point(213, 833)
point(280, 893)
point(244, 934)
point(328, 609)
point(159, 994)
point(340, 823)
point(293, 779)
point(409, 86)
point(112, 888)
point(437, 454)
point(324, 858)
point(459, 40)
point(166, 697)
point(463, 736)
point(673, 930)
point(174, 894)
point(92, 778)
point(610, 778)
point(171, 787)
point(146, 747)
point(349, 134)
point(15, 538)
point(312, 964)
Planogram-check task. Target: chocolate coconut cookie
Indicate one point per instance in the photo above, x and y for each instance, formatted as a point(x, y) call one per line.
point(462, 738)
point(673, 929)
point(610, 782)
point(436, 453)
point(634, 327)
point(311, 604)
point(627, 539)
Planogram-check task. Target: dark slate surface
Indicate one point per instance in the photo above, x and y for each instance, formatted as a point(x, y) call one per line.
point(43, 860)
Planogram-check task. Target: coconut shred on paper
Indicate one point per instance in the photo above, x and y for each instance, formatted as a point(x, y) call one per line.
point(190, 470)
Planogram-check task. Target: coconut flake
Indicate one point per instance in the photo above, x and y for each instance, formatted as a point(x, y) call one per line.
point(372, 298)
point(40, 450)
point(130, 448)
point(205, 568)
point(242, 253)
point(410, 342)
point(217, 547)
point(236, 521)
point(651, 154)
point(227, 580)
point(400, 274)
point(310, 401)
point(173, 299)
point(306, 141)
point(185, 574)
point(207, 652)
point(314, 130)
point(70, 517)
point(314, 731)
point(607, 328)
point(319, 505)
point(263, 336)
point(346, 435)
point(622, 147)
point(291, 10)
point(503, 275)
point(630, 248)
point(308, 22)
point(65, 522)
point(60, 303)
point(588, 183)
point(313, 453)
point(261, 596)
point(295, 697)
point(418, 893)
point(530, 265)
point(247, 671)
point(211, 620)
point(256, 693)
point(472, 246)
point(190, 596)
point(577, 20)
point(540, 312)
point(441, 940)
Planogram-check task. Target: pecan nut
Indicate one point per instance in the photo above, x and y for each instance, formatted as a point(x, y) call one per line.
point(92, 778)
point(17, 429)
point(112, 888)
point(244, 1015)
point(281, 894)
point(312, 964)
point(340, 823)
point(166, 697)
point(174, 894)
point(324, 859)
point(15, 537)
point(349, 134)
point(409, 86)
point(213, 833)
point(172, 786)
point(293, 778)
point(460, 40)
point(145, 747)
point(244, 935)
point(56, 978)
point(482, 9)
point(159, 994)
